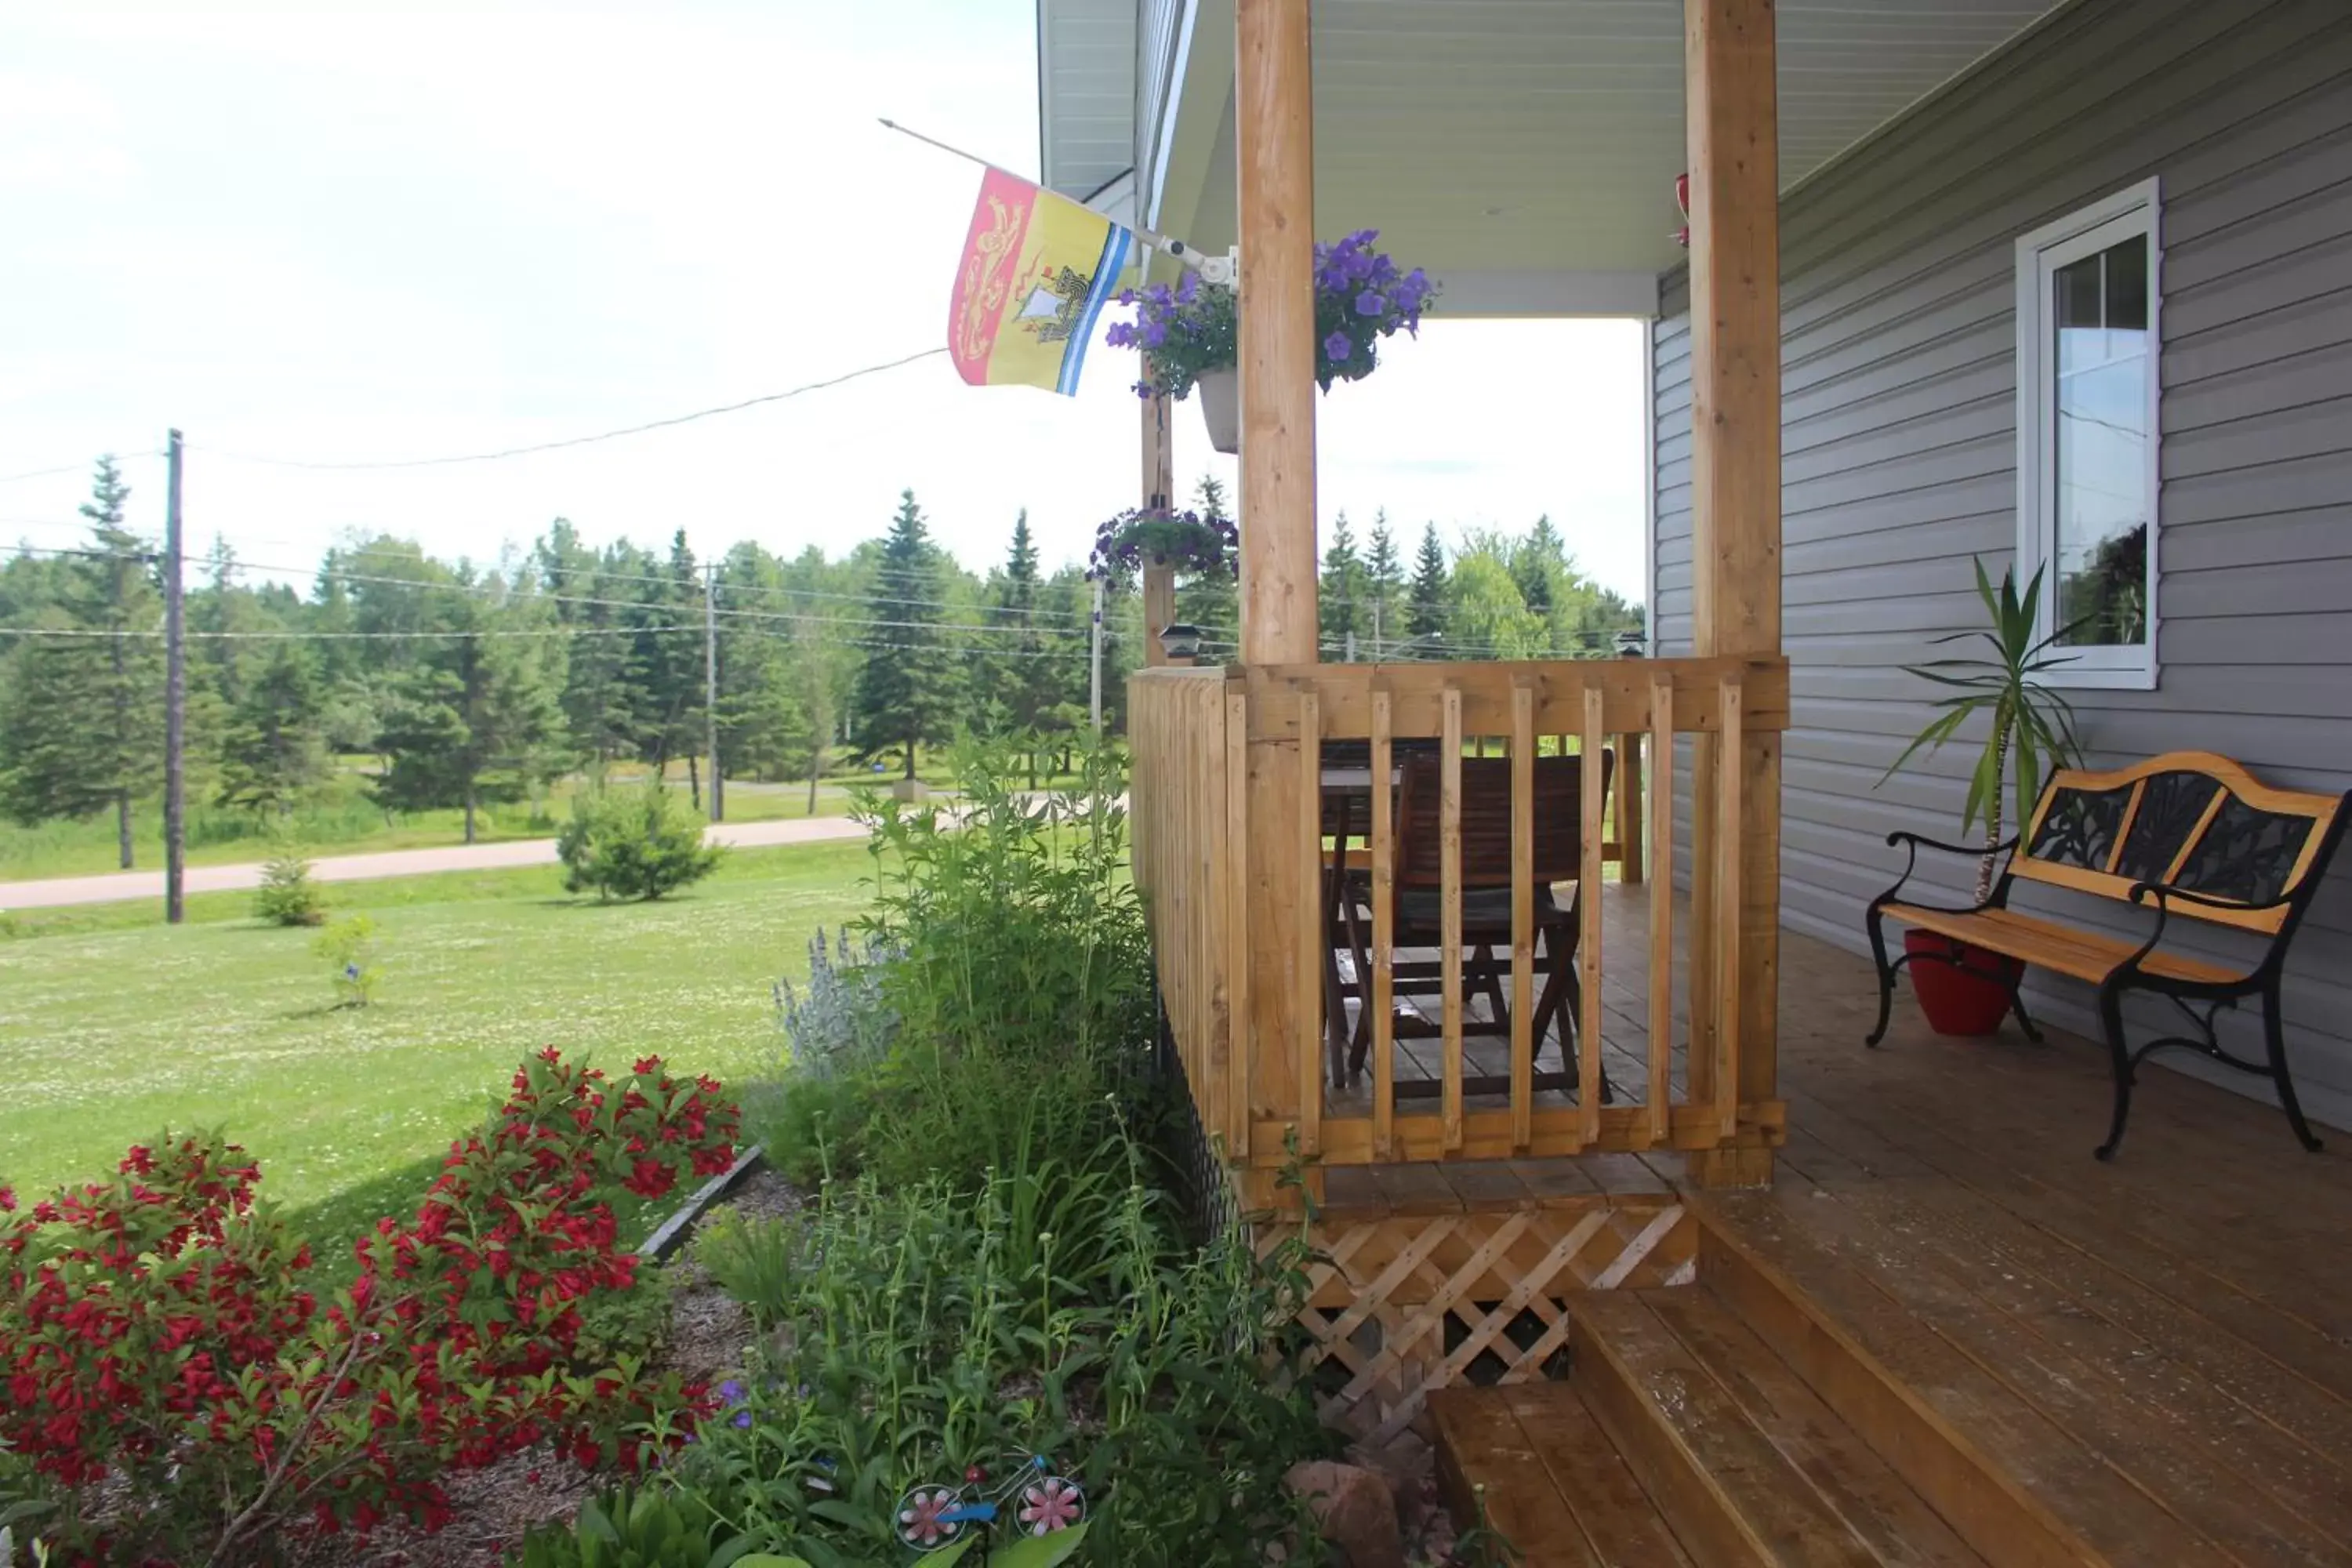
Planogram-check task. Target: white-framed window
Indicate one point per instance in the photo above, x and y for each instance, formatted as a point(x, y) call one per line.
point(2088, 396)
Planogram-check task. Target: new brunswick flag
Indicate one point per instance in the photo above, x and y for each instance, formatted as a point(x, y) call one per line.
point(1036, 271)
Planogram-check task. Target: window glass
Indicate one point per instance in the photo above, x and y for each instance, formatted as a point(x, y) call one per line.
point(2102, 365)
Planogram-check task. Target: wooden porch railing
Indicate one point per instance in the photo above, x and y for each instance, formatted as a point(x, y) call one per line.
point(1205, 740)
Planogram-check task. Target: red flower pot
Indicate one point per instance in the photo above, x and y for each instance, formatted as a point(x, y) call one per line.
point(1962, 989)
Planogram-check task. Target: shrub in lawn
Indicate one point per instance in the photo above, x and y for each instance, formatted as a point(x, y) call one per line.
point(911, 1336)
point(183, 1396)
point(287, 896)
point(633, 844)
point(349, 948)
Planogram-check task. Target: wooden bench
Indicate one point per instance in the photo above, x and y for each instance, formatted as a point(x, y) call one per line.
point(2187, 834)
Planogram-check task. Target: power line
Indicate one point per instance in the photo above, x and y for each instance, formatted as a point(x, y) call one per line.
point(650, 424)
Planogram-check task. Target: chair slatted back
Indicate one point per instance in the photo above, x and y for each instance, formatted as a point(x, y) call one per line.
point(2193, 819)
point(1486, 820)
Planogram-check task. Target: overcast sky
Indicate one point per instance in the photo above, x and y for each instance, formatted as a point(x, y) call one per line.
point(326, 234)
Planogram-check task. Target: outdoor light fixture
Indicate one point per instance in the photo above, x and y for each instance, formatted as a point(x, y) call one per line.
point(1180, 641)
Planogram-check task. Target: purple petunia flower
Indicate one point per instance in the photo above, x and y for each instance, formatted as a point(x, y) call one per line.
point(1369, 304)
point(743, 1418)
point(1188, 288)
point(1126, 296)
point(1338, 346)
point(732, 1391)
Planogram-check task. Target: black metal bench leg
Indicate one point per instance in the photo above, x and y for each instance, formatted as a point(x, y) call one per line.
point(2017, 1006)
point(2111, 1014)
point(2274, 1036)
point(1873, 922)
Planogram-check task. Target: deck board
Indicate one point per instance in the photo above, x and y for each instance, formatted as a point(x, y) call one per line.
point(2157, 1352)
point(2182, 1315)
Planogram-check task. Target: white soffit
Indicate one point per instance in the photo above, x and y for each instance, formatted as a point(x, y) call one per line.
point(1541, 138)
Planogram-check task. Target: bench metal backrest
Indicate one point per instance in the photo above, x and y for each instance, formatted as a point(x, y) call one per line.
point(2194, 820)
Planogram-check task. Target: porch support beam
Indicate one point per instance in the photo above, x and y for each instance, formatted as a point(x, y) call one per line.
point(1275, 137)
point(1273, 121)
point(1159, 482)
point(1731, 115)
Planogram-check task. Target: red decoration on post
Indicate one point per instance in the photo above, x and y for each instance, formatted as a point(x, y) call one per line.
point(1682, 200)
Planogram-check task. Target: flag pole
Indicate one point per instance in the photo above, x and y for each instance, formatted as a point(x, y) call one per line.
point(1211, 268)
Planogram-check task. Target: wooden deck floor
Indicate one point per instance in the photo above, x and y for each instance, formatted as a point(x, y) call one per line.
point(2148, 1362)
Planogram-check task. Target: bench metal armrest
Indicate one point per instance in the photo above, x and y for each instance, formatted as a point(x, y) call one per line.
point(2166, 893)
point(1920, 841)
point(1913, 843)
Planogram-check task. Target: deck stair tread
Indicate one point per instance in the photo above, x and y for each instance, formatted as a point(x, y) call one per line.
point(2076, 1471)
point(1551, 1482)
point(1864, 1491)
point(1732, 1493)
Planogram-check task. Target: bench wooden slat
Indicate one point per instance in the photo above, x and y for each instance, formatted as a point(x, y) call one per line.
point(2069, 950)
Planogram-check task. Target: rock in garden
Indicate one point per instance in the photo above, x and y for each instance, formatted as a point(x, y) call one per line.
point(1354, 1509)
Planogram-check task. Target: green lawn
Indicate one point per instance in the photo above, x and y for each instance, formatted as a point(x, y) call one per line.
point(345, 822)
point(113, 1026)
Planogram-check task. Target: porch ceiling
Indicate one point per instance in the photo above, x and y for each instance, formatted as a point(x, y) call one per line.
point(1543, 136)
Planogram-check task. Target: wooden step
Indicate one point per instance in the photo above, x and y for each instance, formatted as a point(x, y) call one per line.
point(1534, 1460)
point(1733, 1498)
point(2015, 1485)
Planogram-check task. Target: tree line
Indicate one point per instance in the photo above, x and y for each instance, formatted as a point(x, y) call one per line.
point(468, 684)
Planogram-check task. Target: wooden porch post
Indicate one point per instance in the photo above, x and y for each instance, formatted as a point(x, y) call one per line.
point(1274, 143)
point(1158, 483)
point(1735, 288)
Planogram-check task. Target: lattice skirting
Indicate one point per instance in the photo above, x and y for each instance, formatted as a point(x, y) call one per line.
point(1405, 1304)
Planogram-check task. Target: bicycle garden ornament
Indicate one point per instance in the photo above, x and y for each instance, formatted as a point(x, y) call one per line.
point(1188, 335)
point(1032, 1500)
point(1162, 536)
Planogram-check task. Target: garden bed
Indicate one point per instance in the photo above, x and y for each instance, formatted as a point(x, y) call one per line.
point(493, 1509)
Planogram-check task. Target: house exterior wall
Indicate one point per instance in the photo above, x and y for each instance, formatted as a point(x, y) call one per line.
point(1899, 447)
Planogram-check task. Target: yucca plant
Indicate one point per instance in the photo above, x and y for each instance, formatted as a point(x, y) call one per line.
point(2032, 727)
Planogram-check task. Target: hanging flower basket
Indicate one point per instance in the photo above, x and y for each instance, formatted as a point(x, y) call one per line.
point(1161, 536)
point(1189, 332)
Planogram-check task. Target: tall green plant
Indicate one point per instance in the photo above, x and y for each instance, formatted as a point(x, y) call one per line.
point(2031, 727)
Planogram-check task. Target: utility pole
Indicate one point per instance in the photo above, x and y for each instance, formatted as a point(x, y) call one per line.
point(710, 684)
point(1376, 630)
point(1093, 682)
point(176, 698)
point(1352, 645)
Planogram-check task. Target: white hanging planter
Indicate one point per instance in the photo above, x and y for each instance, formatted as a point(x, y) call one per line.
point(1221, 407)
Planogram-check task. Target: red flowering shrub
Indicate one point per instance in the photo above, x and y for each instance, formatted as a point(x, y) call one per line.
point(155, 1333)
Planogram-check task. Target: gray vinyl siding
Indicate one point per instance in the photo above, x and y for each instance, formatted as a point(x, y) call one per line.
point(1899, 444)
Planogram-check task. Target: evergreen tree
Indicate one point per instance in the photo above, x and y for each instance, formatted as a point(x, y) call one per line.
point(1342, 604)
point(1425, 616)
point(56, 690)
point(477, 721)
point(1383, 586)
point(274, 753)
point(669, 666)
point(83, 725)
point(1211, 600)
point(907, 695)
point(1024, 677)
point(1539, 561)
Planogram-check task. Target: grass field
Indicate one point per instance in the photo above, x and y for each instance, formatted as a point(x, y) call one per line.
point(345, 822)
point(112, 1032)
